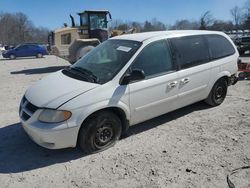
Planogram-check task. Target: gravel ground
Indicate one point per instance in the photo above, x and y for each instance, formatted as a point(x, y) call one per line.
point(196, 146)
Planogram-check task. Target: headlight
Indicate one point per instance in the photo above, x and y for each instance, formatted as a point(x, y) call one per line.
point(54, 116)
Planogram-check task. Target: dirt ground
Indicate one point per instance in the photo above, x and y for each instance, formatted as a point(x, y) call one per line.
point(196, 146)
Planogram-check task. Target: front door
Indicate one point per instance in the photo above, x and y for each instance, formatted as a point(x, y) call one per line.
point(22, 51)
point(158, 93)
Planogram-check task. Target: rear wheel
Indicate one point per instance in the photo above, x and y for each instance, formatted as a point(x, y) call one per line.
point(218, 93)
point(100, 132)
point(12, 56)
point(39, 55)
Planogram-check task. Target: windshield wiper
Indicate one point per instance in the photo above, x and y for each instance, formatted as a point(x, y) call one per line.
point(86, 72)
point(88, 76)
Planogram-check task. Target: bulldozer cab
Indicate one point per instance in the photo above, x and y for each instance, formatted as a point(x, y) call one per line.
point(71, 43)
point(95, 23)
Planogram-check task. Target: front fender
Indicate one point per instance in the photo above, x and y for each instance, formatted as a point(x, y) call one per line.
point(80, 114)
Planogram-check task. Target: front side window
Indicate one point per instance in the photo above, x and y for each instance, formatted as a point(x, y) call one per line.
point(84, 19)
point(190, 51)
point(154, 59)
point(219, 46)
point(106, 60)
point(66, 38)
point(22, 47)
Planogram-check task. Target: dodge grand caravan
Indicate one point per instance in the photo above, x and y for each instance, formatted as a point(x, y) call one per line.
point(124, 81)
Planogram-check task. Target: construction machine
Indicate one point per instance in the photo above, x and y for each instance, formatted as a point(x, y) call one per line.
point(72, 43)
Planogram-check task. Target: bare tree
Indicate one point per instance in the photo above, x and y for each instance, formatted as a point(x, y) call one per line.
point(220, 25)
point(17, 28)
point(237, 16)
point(246, 15)
point(154, 25)
point(206, 20)
point(185, 24)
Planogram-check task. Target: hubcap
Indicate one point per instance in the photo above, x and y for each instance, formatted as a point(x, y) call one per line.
point(103, 135)
point(219, 92)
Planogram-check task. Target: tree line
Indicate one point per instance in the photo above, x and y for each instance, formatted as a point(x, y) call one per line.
point(240, 21)
point(16, 28)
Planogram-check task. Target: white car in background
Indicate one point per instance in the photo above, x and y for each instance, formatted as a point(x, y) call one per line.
point(2, 48)
point(126, 80)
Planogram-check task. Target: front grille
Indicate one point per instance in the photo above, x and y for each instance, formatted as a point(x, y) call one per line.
point(26, 109)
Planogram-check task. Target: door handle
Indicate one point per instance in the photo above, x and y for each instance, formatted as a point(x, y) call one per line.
point(172, 84)
point(185, 80)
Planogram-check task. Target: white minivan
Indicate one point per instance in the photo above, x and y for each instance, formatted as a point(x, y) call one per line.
point(124, 81)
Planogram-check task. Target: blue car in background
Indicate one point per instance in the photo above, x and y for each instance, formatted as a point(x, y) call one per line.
point(25, 50)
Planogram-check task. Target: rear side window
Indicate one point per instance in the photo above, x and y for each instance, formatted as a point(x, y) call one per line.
point(190, 51)
point(66, 38)
point(219, 46)
point(154, 59)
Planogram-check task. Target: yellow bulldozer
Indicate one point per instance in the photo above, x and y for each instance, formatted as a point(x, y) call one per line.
point(72, 43)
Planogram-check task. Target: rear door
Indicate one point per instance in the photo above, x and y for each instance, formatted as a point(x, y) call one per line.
point(192, 55)
point(32, 50)
point(158, 93)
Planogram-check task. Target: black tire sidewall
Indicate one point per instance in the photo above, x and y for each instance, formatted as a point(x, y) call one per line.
point(13, 56)
point(220, 83)
point(88, 131)
point(39, 55)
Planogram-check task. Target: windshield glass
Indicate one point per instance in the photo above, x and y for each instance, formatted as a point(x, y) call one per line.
point(107, 59)
point(98, 21)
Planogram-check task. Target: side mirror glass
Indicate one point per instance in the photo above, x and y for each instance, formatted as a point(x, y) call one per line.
point(135, 75)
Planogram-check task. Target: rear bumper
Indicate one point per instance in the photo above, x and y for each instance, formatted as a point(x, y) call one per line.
point(233, 80)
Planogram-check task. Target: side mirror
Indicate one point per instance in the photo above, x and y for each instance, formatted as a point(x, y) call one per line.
point(135, 75)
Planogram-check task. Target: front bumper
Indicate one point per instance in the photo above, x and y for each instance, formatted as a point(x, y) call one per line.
point(48, 135)
point(49, 138)
point(5, 55)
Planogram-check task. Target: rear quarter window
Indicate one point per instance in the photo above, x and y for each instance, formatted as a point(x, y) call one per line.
point(219, 46)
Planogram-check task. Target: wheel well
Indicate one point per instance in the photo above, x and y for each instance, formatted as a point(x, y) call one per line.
point(117, 111)
point(225, 78)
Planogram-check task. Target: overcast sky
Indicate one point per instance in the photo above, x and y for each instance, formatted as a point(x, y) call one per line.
point(53, 13)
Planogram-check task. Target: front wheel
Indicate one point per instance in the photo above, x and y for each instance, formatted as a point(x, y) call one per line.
point(39, 55)
point(12, 56)
point(100, 132)
point(218, 93)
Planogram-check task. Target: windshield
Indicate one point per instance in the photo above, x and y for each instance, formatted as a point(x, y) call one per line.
point(107, 59)
point(18, 46)
point(98, 21)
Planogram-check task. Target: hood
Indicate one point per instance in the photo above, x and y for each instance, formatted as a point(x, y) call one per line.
point(56, 89)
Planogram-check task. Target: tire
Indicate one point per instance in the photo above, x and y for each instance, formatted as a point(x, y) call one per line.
point(83, 51)
point(12, 56)
point(39, 55)
point(218, 93)
point(100, 132)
